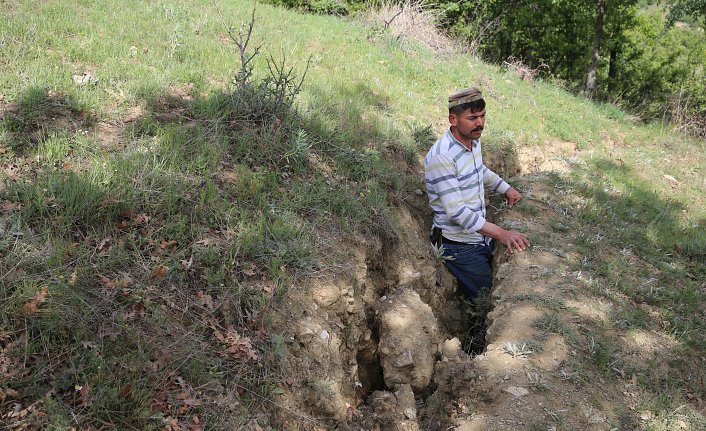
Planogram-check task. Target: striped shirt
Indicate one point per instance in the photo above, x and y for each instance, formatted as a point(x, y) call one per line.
point(455, 177)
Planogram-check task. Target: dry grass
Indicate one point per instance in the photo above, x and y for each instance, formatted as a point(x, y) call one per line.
point(524, 72)
point(413, 21)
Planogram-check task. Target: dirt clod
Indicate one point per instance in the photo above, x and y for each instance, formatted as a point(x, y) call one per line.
point(408, 340)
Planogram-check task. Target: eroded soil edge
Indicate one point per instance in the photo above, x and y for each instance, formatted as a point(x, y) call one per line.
point(378, 346)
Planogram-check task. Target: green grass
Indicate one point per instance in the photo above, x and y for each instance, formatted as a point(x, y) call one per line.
point(640, 245)
point(158, 209)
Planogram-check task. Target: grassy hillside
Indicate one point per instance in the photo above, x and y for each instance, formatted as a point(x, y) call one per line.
point(153, 213)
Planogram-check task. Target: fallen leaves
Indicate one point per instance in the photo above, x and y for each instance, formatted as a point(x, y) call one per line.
point(7, 393)
point(236, 346)
point(173, 424)
point(134, 50)
point(125, 391)
point(122, 282)
point(132, 219)
point(186, 264)
point(207, 241)
point(7, 207)
point(167, 244)
point(177, 401)
point(159, 272)
point(17, 417)
point(205, 300)
point(32, 307)
point(83, 392)
point(103, 247)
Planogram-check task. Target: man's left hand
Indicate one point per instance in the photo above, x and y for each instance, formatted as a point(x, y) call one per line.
point(512, 196)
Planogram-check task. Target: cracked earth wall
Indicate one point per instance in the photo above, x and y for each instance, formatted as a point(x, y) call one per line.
point(382, 339)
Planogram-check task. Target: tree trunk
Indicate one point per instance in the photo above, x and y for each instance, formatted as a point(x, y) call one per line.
point(612, 70)
point(613, 64)
point(597, 42)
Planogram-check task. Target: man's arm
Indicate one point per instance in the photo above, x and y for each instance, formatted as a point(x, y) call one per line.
point(441, 176)
point(512, 196)
point(496, 183)
point(514, 241)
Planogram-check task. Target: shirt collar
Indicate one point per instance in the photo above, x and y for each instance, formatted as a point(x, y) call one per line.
point(455, 141)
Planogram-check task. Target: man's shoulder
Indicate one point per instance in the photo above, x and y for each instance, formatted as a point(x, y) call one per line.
point(442, 148)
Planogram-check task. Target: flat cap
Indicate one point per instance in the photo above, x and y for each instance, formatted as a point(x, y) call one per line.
point(464, 96)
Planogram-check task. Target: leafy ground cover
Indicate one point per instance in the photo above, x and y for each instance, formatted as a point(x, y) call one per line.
point(155, 212)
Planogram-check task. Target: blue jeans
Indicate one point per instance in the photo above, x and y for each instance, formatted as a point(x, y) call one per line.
point(471, 265)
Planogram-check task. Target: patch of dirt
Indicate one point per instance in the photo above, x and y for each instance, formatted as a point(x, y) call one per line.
point(552, 156)
point(363, 340)
point(533, 375)
point(173, 106)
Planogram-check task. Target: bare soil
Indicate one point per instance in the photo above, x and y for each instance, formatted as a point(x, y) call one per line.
point(377, 345)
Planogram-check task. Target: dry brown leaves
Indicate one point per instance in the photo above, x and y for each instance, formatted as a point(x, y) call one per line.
point(19, 418)
point(32, 307)
point(235, 345)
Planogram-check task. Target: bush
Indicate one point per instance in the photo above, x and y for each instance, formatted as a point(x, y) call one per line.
point(662, 73)
point(322, 7)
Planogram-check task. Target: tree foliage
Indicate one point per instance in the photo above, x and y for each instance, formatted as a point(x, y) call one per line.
point(644, 62)
point(555, 33)
point(681, 9)
point(662, 73)
point(323, 7)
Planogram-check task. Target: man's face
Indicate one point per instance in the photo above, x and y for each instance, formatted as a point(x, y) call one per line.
point(468, 124)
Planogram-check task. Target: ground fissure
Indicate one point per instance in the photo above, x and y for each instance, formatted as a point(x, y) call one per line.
point(393, 322)
point(411, 365)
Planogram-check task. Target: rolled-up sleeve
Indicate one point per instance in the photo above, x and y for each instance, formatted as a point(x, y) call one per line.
point(494, 182)
point(442, 179)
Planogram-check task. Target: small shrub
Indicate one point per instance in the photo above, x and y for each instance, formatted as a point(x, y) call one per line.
point(423, 136)
point(550, 323)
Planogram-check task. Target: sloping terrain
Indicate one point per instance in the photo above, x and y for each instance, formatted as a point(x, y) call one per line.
point(178, 252)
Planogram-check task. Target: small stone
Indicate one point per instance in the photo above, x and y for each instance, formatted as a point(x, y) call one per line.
point(418, 192)
point(451, 348)
point(326, 295)
point(84, 78)
point(516, 391)
point(404, 360)
point(503, 271)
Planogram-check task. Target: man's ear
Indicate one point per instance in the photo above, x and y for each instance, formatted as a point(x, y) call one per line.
point(453, 119)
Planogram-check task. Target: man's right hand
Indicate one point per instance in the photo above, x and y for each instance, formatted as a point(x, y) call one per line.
point(514, 241)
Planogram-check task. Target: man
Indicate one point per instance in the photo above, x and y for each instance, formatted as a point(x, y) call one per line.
point(455, 178)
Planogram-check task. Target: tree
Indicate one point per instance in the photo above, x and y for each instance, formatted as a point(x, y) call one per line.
point(683, 8)
point(597, 45)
